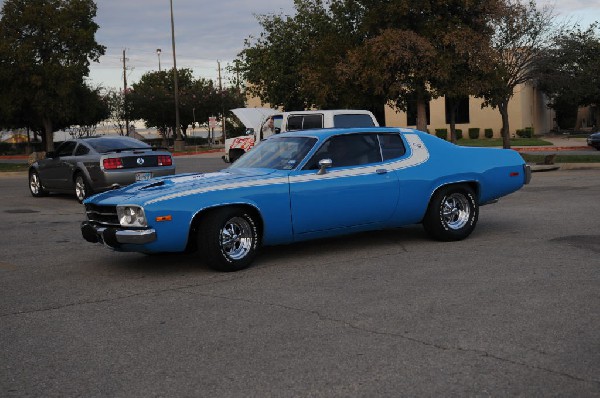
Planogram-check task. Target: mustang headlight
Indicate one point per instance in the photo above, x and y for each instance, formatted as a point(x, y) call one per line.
point(131, 216)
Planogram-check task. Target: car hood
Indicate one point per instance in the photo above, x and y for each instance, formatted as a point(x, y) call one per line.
point(149, 191)
point(253, 117)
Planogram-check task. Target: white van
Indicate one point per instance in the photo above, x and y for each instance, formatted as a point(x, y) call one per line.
point(256, 121)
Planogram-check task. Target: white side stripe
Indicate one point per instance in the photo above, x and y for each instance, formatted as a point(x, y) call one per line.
point(418, 155)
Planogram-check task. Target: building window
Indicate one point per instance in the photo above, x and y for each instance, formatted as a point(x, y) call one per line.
point(462, 110)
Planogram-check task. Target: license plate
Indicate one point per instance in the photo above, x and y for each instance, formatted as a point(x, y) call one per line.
point(143, 176)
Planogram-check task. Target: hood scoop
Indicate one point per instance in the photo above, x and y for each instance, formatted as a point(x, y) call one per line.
point(154, 185)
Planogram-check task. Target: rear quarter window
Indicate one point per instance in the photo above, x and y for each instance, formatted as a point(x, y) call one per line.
point(81, 150)
point(392, 146)
point(352, 120)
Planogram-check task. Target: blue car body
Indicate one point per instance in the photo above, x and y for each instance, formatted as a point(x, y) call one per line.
point(295, 203)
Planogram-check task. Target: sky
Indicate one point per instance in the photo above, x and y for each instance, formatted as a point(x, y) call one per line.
point(207, 31)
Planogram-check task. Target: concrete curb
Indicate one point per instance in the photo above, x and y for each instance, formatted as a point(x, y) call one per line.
point(552, 148)
point(564, 166)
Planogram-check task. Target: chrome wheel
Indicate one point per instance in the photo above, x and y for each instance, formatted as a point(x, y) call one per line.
point(237, 238)
point(456, 211)
point(452, 213)
point(34, 183)
point(81, 189)
point(227, 238)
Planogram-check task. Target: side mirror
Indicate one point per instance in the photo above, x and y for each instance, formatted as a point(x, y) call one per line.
point(249, 131)
point(324, 164)
point(277, 130)
point(50, 155)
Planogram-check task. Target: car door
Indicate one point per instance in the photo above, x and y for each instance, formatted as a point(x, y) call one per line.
point(55, 172)
point(357, 190)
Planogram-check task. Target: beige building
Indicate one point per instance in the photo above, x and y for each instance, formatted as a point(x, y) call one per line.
point(527, 108)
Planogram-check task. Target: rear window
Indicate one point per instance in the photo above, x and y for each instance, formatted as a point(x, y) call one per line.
point(111, 144)
point(352, 120)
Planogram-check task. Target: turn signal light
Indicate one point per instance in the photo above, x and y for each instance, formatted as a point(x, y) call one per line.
point(112, 163)
point(164, 160)
point(164, 218)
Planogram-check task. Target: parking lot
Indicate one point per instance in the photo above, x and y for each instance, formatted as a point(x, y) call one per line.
point(512, 310)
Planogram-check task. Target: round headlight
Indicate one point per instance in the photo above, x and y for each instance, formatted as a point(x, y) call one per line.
point(131, 216)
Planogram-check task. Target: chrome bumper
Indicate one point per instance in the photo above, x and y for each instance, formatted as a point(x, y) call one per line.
point(114, 237)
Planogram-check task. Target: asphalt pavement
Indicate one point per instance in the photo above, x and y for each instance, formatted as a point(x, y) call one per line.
point(514, 310)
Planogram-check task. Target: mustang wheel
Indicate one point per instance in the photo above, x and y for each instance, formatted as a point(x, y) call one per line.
point(452, 213)
point(35, 185)
point(228, 239)
point(82, 189)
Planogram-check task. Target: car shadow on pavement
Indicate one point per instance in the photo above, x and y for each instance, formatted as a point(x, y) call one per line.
point(359, 245)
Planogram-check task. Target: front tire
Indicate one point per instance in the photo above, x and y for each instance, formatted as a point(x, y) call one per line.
point(228, 239)
point(82, 188)
point(35, 185)
point(452, 213)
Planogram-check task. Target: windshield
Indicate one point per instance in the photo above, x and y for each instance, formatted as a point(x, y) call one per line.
point(282, 153)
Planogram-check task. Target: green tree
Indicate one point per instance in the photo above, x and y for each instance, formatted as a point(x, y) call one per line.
point(118, 110)
point(152, 99)
point(292, 64)
point(522, 35)
point(421, 49)
point(46, 47)
point(569, 73)
point(270, 64)
point(366, 53)
point(91, 108)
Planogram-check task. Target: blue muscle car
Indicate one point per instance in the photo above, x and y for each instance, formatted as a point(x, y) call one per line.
point(308, 185)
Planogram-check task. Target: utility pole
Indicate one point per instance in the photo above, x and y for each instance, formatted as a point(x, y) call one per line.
point(179, 143)
point(125, 112)
point(223, 133)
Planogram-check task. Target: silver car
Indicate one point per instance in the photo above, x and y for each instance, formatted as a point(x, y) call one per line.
point(89, 165)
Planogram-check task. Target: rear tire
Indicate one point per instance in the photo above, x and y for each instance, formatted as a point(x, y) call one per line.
point(82, 188)
point(228, 239)
point(452, 213)
point(35, 185)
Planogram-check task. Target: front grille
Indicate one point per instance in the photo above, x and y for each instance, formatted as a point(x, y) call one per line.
point(104, 215)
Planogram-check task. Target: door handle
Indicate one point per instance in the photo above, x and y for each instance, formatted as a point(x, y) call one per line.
point(381, 171)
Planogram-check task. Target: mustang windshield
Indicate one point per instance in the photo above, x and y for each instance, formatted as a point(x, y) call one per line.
point(282, 153)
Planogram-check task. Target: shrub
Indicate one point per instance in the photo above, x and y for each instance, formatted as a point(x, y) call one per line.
point(489, 133)
point(442, 133)
point(525, 133)
point(474, 133)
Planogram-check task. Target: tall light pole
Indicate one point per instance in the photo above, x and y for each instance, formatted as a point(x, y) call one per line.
point(179, 144)
point(158, 51)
